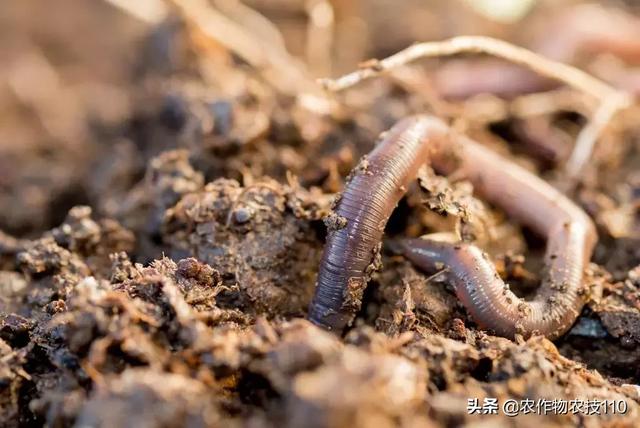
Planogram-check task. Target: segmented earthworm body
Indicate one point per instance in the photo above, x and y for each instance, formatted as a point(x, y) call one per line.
point(373, 191)
point(378, 184)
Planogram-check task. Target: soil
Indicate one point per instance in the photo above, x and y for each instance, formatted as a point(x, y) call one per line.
point(163, 211)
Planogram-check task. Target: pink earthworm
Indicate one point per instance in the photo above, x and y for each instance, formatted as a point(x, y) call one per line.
point(378, 184)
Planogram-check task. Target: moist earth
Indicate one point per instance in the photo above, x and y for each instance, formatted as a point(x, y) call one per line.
point(163, 211)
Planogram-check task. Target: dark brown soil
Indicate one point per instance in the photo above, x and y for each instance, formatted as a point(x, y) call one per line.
point(163, 210)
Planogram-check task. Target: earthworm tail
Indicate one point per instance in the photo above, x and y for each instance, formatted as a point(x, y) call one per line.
point(373, 192)
point(570, 236)
point(489, 300)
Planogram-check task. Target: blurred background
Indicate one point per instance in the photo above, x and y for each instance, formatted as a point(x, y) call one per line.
point(90, 90)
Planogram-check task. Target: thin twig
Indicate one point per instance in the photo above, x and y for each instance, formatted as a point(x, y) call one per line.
point(478, 44)
point(586, 140)
point(277, 66)
point(442, 271)
point(610, 98)
point(271, 59)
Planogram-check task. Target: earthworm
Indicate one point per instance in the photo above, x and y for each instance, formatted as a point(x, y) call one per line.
point(380, 181)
